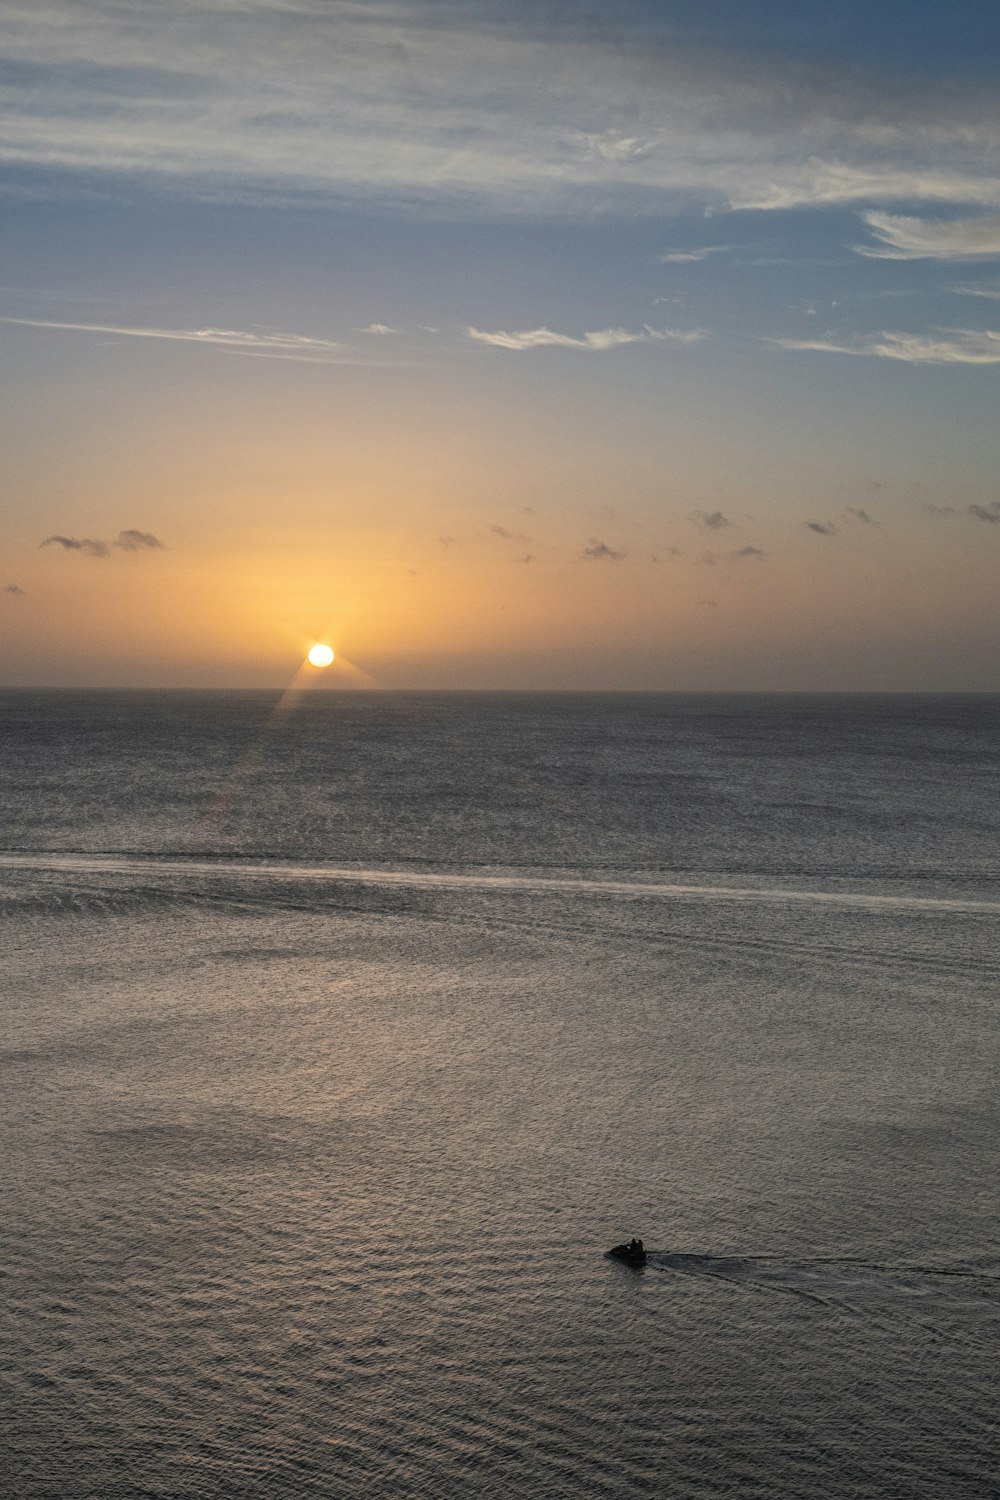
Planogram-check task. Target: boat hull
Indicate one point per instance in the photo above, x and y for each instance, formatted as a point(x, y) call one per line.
point(627, 1255)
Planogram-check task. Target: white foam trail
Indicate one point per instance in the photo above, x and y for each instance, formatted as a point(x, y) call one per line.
point(428, 879)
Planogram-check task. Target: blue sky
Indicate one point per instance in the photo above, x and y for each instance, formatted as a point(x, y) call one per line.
point(363, 276)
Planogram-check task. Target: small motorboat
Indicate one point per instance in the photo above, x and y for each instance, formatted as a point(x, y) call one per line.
point(632, 1254)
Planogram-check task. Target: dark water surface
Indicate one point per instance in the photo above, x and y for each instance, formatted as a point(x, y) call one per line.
point(337, 1046)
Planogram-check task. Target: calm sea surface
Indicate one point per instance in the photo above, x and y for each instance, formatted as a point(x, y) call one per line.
point(339, 1043)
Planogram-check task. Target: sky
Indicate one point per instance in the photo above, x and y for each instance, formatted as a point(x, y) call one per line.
point(646, 345)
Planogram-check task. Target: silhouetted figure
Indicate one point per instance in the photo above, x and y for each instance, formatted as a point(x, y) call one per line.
point(633, 1254)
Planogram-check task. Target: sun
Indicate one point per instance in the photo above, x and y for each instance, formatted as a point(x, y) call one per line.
point(320, 656)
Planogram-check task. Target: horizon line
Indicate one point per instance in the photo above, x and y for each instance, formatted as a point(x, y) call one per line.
point(632, 692)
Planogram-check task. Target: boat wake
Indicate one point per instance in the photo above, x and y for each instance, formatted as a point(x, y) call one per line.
point(850, 1284)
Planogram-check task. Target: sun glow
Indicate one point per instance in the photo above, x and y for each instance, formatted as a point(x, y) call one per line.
point(320, 656)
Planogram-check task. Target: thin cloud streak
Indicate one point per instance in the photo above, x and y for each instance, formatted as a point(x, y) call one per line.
point(599, 340)
point(277, 345)
point(687, 257)
point(966, 346)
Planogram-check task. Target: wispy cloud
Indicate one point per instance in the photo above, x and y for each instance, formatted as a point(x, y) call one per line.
point(599, 551)
point(858, 513)
point(508, 536)
point(825, 183)
point(958, 346)
point(991, 293)
point(710, 520)
point(821, 528)
point(378, 329)
point(906, 238)
point(598, 340)
point(88, 545)
point(755, 554)
point(13, 588)
point(278, 345)
point(516, 109)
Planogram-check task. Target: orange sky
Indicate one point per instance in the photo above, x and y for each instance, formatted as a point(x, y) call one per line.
point(553, 358)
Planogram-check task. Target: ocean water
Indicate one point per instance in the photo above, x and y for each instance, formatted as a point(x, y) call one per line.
point(341, 1037)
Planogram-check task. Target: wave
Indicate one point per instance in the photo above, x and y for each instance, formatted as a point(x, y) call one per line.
point(475, 880)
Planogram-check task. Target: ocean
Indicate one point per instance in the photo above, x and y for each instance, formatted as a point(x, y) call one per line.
point(342, 1036)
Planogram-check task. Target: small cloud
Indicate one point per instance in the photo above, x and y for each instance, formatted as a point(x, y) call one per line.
point(709, 603)
point(904, 238)
point(447, 541)
point(137, 541)
point(822, 346)
point(13, 588)
point(599, 339)
point(711, 520)
point(91, 546)
point(858, 513)
point(756, 554)
point(600, 552)
point(821, 528)
point(685, 257)
point(508, 536)
point(611, 146)
point(380, 329)
point(527, 558)
point(990, 513)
